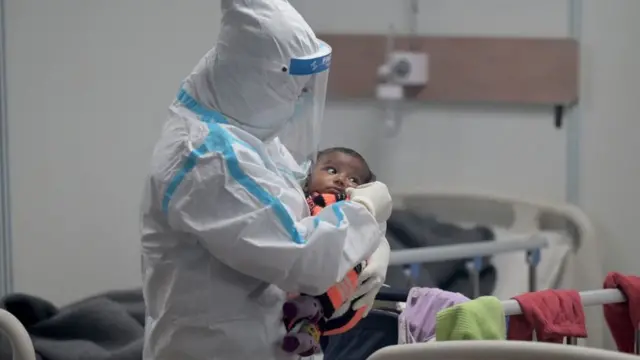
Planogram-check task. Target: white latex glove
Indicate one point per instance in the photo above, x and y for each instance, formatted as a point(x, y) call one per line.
point(375, 197)
point(372, 278)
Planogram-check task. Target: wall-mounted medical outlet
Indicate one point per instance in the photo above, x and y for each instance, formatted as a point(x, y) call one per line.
point(405, 68)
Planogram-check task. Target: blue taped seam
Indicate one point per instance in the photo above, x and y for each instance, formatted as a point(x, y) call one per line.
point(220, 141)
point(337, 211)
point(189, 164)
point(192, 104)
point(211, 116)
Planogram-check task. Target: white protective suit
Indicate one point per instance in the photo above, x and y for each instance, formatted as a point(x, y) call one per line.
point(226, 229)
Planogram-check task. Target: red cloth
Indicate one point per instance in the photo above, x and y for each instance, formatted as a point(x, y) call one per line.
point(317, 201)
point(553, 314)
point(623, 318)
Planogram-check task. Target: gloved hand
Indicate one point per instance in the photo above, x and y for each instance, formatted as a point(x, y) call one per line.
point(372, 277)
point(342, 309)
point(375, 197)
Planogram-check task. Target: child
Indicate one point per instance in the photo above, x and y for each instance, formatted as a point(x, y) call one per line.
point(308, 317)
point(336, 170)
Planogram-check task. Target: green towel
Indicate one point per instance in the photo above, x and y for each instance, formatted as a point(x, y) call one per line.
point(479, 319)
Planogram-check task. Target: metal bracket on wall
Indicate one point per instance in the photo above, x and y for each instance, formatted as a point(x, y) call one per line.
point(558, 112)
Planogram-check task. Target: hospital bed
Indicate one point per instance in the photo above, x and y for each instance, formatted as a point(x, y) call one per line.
point(529, 245)
point(561, 250)
point(21, 345)
point(388, 321)
point(563, 247)
point(380, 329)
point(496, 350)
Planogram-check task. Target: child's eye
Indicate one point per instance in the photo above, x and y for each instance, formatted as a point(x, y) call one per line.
point(354, 180)
point(331, 170)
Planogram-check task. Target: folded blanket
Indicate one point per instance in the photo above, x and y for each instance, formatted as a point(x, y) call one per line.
point(109, 326)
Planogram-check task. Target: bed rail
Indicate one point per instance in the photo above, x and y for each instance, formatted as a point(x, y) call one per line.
point(588, 298)
point(464, 251)
point(530, 244)
point(21, 344)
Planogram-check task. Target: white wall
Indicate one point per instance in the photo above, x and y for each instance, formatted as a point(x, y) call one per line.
point(490, 148)
point(610, 129)
point(89, 83)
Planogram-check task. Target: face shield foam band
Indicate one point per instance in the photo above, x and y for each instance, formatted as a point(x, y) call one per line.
point(312, 65)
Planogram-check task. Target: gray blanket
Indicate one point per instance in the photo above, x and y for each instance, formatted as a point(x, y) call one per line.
point(109, 326)
point(406, 230)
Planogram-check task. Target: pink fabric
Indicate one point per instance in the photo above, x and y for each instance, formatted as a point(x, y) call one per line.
point(417, 323)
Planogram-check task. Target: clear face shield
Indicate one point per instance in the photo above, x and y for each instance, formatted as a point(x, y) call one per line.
point(301, 135)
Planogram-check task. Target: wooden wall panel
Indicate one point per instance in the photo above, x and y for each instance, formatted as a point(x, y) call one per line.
point(496, 70)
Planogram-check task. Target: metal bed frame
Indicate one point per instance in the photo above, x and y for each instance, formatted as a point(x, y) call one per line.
point(530, 245)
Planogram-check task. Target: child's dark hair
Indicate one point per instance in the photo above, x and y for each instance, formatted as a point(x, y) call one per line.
point(370, 177)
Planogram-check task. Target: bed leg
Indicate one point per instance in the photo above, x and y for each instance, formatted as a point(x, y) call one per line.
point(474, 267)
point(533, 259)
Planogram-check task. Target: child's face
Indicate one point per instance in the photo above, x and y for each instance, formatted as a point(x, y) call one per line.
point(335, 172)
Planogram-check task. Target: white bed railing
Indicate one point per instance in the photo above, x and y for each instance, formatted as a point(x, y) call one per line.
point(21, 345)
point(530, 244)
point(495, 350)
point(588, 298)
point(521, 215)
point(512, 349)
point(468, 250)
